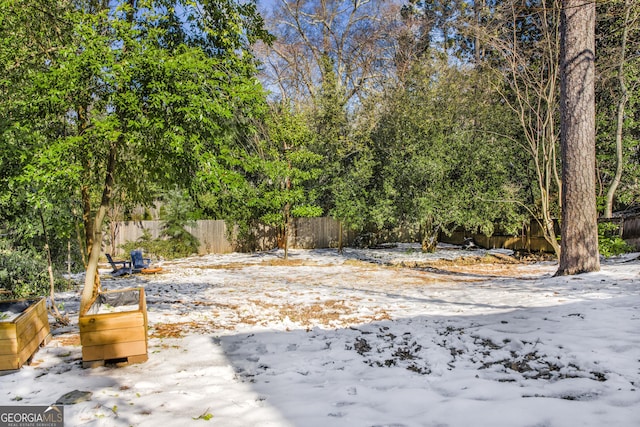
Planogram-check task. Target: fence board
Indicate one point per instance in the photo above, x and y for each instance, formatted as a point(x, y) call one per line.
point(631, 228)
point(307, 233)
point(316, 233)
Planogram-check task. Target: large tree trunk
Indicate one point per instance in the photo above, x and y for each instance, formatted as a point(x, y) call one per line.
point(579, 243)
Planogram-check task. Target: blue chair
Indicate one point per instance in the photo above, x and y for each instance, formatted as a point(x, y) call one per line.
point(138, 263)
point(119, 267)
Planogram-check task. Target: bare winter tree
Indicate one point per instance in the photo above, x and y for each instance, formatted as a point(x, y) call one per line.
point(353, 34)
point(579, 244)
point(521, 42)
point(615, 73)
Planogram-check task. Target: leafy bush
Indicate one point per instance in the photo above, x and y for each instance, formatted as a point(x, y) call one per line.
point(610, 242)
point(180, 244)
point(175, 242)
point(24, 273)
point(144, 242)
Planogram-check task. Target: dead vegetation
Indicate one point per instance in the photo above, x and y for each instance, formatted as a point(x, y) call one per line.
point(180, 329)
point(68, 340)
point(276, 262)
point(498, 265)
point(329, 313)
point(278, 298)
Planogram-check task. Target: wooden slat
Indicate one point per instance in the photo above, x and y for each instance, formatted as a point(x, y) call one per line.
point(31, 347)
point(17, 359)
point(113, 336)
point(9, 361)
point(10, 330)
point(113, 351)
point(7, 331)
point(27, 331)
point(35, 310)
point(8, 346)
point(105, 321)
point(120, 362)
point(120, 335)
point(138, 358)
point(23, 335)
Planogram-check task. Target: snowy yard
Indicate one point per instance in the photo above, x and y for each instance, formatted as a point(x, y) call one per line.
point(387, 337)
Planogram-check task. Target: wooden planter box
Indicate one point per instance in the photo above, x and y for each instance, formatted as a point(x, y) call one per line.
point(23, 331)
point(115, 329)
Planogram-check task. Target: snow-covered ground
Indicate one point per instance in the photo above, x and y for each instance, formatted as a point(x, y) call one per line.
point(370, 338)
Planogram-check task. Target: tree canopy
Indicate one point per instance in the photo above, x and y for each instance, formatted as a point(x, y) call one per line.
point(427, 115)
point(130, 98)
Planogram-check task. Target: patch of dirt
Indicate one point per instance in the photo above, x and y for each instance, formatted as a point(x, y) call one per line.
point(361, 263)
point(171, 330)
point(324, 312)
point(461, 261)
point(489, 265)
point(530, 257)
point(180, 329)
point(277, 262)
point(330, 313)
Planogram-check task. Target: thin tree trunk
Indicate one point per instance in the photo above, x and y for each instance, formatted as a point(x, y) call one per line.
point(429, 236)
point(92, 279)
point(622, 102)
point(533, 97)
point(69, 260)
point(52, 282)
point(81, 245)
point(85, 191)
point(87, 220)
point(579, 243)
point(478, 8)
point(286, 238)
point(114, 214)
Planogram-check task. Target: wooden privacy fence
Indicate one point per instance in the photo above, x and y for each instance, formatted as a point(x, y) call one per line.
point(631, 230)
point(628, 228)
point(530, 239)
point(213, 235)
point(314, 233)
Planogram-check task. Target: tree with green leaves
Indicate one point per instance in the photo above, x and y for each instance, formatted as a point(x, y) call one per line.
point(351, 191)
point(34, 217)
point(330, 124)
point(434, 167)
point(288, 166)
point(136, 96)
point(177, 212)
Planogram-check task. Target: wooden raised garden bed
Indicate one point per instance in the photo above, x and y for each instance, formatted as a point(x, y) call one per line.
point(115, 329)
point(24, 326)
